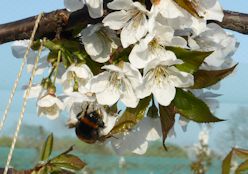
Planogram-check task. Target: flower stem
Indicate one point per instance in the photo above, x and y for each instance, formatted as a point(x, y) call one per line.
point(57, 67)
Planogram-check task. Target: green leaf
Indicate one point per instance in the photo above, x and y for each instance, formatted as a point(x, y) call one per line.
point(226, 164)
point(68, 162)
point(192, 59)
point(242, 167)
point(47, 148)
point(167, 118)
point(204, 78)
point(189, 6)
point(131, 117)
point(192, 108)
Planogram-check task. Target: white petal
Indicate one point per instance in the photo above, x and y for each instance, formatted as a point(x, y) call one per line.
point(169, 9)
point(73, 5)
point(120, 4)
point(83, 72)
point(214, 12)
point(133, 141)
point(132, 74)
point(99, 82)
point(93, 44)
point(104, 56)
point(141, 149)
point(76, 97)
point(153, 128)
point(19, 48)
point(49, 100)
point(109, 96)
point(145, 88)
point(109, 123)
point(46, 101)
point(164, 93)
point(35, 90)
point(95, 8)
point(134, 30)
point(117, 20)
point(139, 55)
point(179, 78)
point(128, 96)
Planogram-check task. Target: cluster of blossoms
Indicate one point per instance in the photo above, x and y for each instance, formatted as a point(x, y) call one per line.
point(202, 155)
point(129, 57)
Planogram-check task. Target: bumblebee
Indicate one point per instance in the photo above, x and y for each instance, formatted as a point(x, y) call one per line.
point(90, 121)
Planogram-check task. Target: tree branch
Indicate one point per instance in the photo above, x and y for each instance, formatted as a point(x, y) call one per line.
point(50, 23)
point(234, 21)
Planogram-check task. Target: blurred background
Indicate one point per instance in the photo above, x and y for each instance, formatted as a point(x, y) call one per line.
point(233, 107)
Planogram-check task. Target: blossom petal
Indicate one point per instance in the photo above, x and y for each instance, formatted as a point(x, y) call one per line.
point(134, 141)
point(128, 96)
point(179, 78)
point(95, 8)
point(73, 5)
point(117, 20)
point(120, 5)
point(93, 44)
point(100, 82)
point(139, 55)
point(134, 30)
point(109, 96)
point(132, 74)
point(109, 123)
point(164, 93)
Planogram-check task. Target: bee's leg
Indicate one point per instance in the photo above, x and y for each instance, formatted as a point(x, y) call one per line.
point(84, 108)
point(91, 108)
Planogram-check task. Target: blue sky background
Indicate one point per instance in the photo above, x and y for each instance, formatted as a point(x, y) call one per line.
point(234, 88)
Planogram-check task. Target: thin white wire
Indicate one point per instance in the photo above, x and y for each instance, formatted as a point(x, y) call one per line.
point(20, 72)
point(22, 110)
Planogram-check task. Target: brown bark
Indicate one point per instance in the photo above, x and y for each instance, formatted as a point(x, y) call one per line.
point(65, 21)
point(234, 21)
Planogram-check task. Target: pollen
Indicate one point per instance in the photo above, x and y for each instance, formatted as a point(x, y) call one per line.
point(160, 74)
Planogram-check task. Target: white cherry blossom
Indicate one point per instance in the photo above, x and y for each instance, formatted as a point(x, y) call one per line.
point(76, 76)
point(116, 83)
point(207, 10)
point(137, 140)
point(152, 46)
point(36, 90)
point(18, 50)
point(131, 18)
point(214, 39)
point(99, 42)
point(161, 79)
point(50, 106)
point(95, 7)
